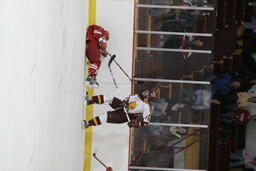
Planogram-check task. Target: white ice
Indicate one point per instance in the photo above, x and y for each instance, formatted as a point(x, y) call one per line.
point(41, 84)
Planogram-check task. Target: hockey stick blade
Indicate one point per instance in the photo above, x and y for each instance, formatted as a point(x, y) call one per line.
point(109, 67)
point(94, 155)
point(111, 60)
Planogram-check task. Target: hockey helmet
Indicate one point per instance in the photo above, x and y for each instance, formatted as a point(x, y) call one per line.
point(150, 95)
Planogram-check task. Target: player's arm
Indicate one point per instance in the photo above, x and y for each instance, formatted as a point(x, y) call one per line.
point(146, 116)
point(138, 122)
point(142, 120)
point(98, 31)
point(102, 36)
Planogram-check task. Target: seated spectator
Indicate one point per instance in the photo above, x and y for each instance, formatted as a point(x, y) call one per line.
point(165, 107)
point(241, 158)
point(178, 131)
point(154, 129)
point(244, 99)
point(239, 117)
point(242, 117)
point(246, 71)
point(246, 75)
point(246, 85)
point(159, 106)
point(224, 84)
point(158, 135)
point(200, 99)
point(174, 107)
point(183, 42)
point(156, 12)
point(180, 21)
point(232, 101)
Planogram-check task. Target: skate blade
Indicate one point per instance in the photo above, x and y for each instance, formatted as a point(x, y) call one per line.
point(82, 125)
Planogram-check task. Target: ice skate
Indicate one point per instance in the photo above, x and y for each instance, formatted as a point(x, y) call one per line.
point(85, 124)
point(87, 99)
point(92, 81)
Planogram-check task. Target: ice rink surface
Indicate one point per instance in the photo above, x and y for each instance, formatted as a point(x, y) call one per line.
point(42, 77)
point(111, 141)
point(42, 47)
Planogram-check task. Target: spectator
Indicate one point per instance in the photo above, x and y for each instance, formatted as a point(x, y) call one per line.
point(156, 12)
point(160, 106)
point(183, 42)
point(164, 134)
point(178, 131)
point(174, 106)
point(180, 21)
point(239, 117)
point(246, 85)
point(246, 74)
point(232, 101)
point(244, 99)
point(199, 99)
point(241, 158)
point(224, 84)
point(165, 107)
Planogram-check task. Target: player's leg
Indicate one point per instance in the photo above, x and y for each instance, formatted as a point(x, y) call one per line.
point(98, 120)
point(117, 116)
point(93, 54)
point(99, 99)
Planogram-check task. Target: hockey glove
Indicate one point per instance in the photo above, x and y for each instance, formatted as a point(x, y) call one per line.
point(133, 124)
point(104, 53)
point(103, 44)
point(136, 122)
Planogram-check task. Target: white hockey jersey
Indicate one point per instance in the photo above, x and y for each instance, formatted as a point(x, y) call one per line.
point(137, 106)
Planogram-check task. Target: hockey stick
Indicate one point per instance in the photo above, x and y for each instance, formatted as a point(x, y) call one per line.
point(112, 75)
point(119, 67)
point(107, 168)
point(117, 89)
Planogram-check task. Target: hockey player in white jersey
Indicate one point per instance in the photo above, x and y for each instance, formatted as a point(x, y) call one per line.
point(134, 110)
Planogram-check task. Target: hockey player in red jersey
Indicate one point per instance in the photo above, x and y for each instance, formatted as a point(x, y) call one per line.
point(135, 110)
point(96, 45)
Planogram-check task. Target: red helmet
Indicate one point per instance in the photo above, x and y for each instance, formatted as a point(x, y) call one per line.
point(150, 95)
point(106, 34)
